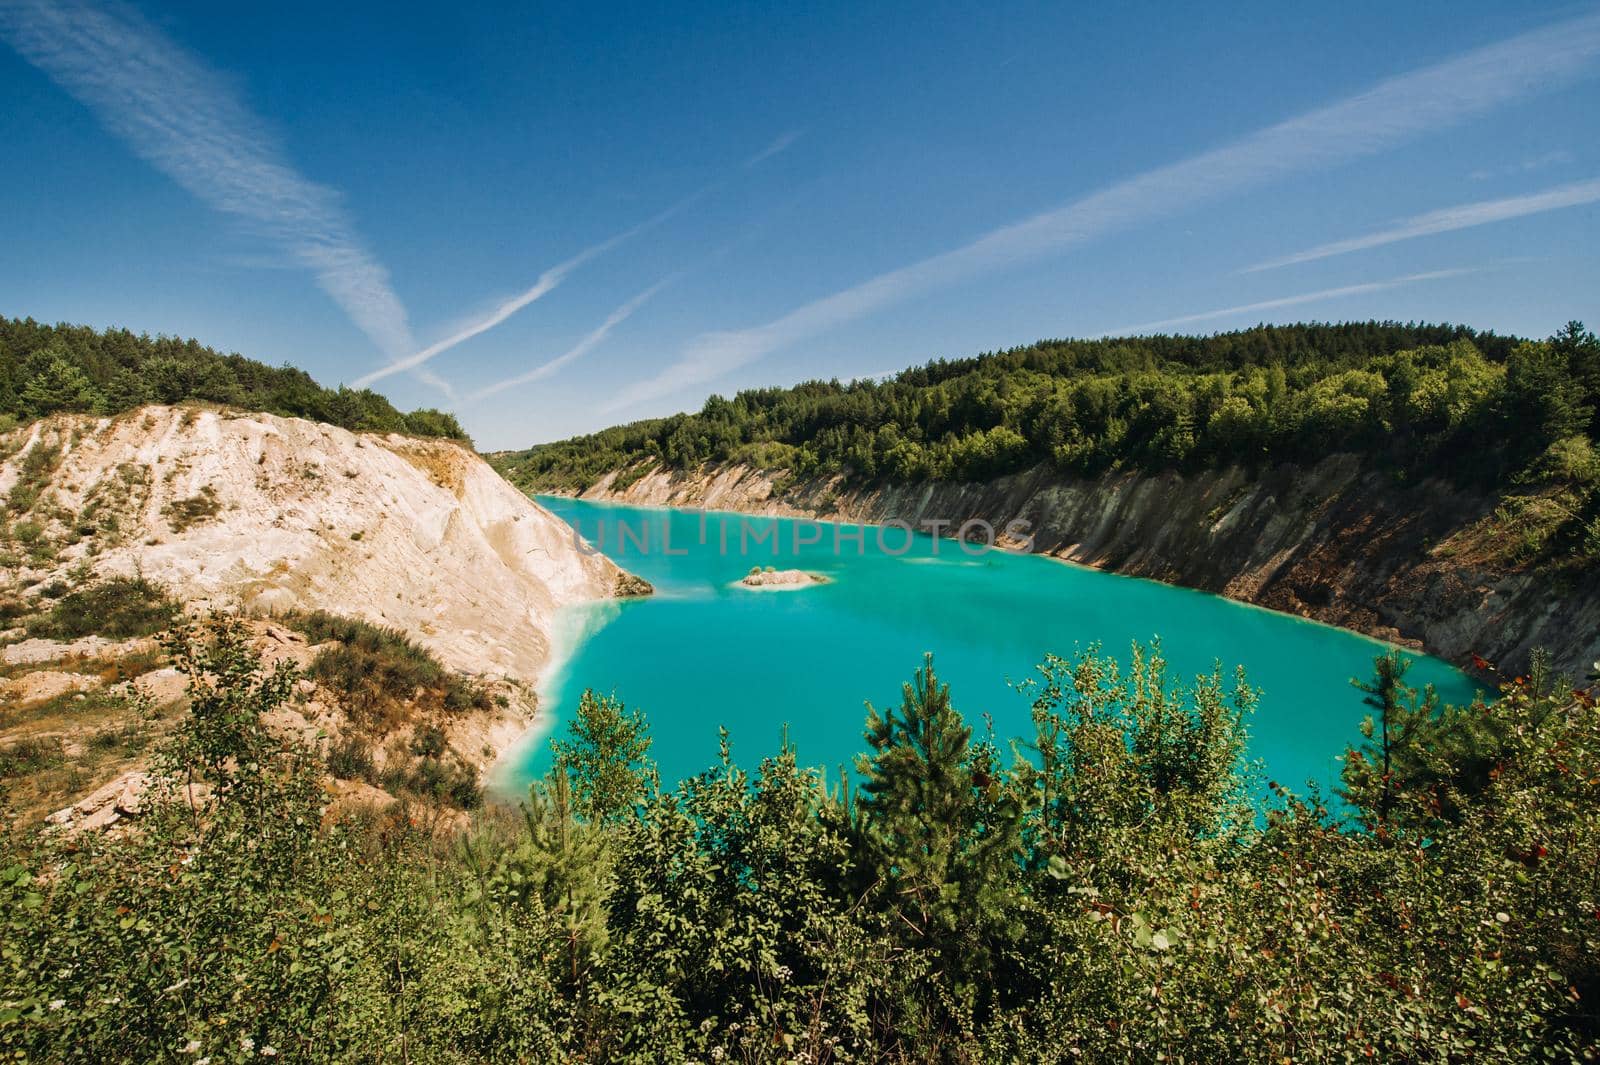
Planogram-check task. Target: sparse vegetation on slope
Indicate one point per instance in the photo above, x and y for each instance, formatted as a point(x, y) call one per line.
point(53, 752)
point(386, 684)
point(372, 667)
point(272, 514)
point(117, 608)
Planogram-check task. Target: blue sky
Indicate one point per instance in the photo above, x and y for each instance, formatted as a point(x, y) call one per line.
point(557, 219)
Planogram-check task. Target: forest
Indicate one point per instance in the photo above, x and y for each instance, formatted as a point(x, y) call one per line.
point(45, 369)
point(1119, 885)
point(1441, 398)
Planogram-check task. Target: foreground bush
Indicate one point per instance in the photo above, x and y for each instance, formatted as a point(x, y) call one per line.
point(1109, 892)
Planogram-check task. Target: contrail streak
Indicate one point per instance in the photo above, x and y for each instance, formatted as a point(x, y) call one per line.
point(541, 287)
point(1391, 112)
point(1288, 301)
point(558, 273)
point(1447, 220)
point(582, 347)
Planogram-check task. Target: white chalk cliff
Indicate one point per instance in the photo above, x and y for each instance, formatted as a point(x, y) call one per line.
point(267, 514)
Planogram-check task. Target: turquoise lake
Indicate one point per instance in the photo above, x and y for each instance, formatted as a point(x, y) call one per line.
point(704, 652)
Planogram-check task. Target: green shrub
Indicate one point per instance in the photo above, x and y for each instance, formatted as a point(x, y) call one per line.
point(1571, 459)
point(33, 476)
point(192, 510)
point(429, 741)
point(376, 670)
point(30, 755)
point(1103, 892)
point(444, 781)
point(117, 608)
point(351, 759)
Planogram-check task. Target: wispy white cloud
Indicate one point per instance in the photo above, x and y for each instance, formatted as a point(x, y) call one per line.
point(551, 278)
point(780, 144)
point(188, 122)
point(433, 380)
point(1448, 219)
point(542, 286)
point(1287, 301)
point(590, 341)
point(1423, 101)
point(1556, 157)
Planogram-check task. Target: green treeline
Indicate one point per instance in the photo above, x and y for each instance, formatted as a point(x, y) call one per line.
point(1101, 890)
point(1441, 398)
point(49, 368)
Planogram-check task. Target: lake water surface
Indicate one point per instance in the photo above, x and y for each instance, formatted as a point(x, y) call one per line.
point(704, 652)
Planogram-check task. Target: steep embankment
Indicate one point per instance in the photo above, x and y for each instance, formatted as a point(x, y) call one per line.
point(267, 515)
point(274, 514)
point(270, 514)
point(1417, 564)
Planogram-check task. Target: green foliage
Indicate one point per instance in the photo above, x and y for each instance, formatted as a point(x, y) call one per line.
point(118, 608)
point(1412, 395)
point(1114, 751)
point(59, 386)
point(606, 757)
point(1543, 400)
point(941, 838)
point(33, 476)
point(224, 740)
point(1401, 742)
point(440, 780)
point(46, 369)
point(350, 758)
point(1571, 459)
point(377, 669)
point(1109, 896)
point(205, 930)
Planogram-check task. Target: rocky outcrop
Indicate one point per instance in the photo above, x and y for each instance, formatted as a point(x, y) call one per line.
point(43, 685)
point(781, 579)
point(121, 800)
point(1337, 542)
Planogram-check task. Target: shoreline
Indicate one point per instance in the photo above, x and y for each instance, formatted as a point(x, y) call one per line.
point(574, 624)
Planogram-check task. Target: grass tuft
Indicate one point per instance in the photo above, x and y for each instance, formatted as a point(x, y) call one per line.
point(376, 670)
point(118, 608)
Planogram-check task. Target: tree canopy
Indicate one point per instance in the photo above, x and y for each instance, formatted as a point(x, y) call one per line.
point(1473, 405)
point(46, 369)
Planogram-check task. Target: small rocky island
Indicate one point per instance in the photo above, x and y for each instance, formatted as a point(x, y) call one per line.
point(784, 579)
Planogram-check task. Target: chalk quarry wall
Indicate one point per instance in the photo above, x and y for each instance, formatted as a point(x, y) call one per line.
point(1334, 542)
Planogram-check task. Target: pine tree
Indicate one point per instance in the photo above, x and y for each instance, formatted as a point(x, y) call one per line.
point(60, 386)
point(1581, 349)
point(943, 832)
point(1542, 401)
point(1393, 764)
